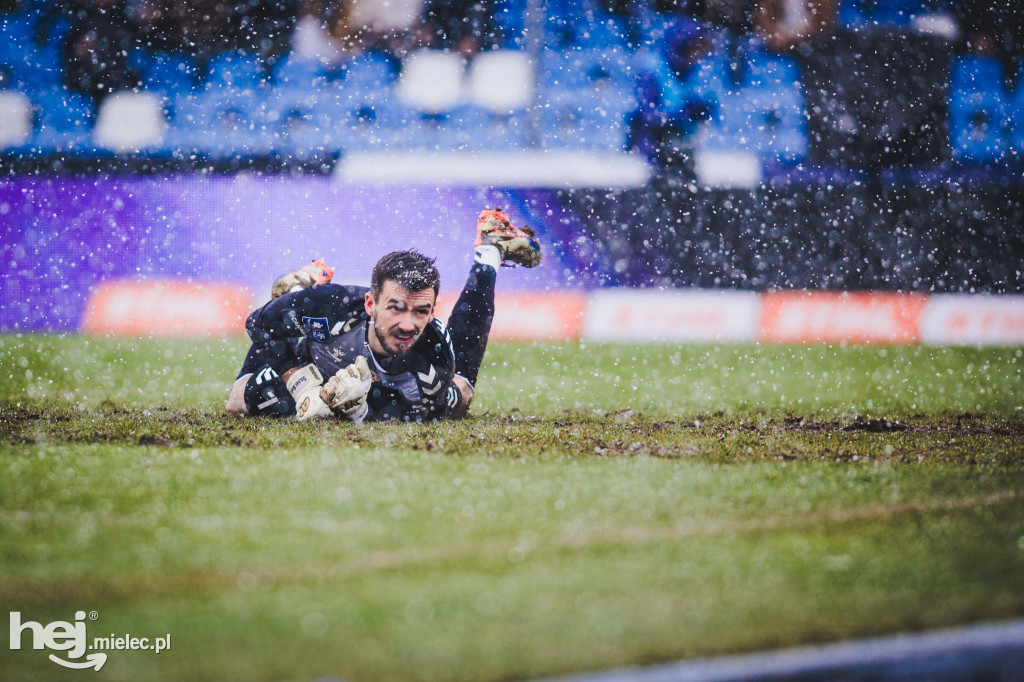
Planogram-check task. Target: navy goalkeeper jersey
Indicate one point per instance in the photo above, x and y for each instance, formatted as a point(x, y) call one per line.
point(328, 326)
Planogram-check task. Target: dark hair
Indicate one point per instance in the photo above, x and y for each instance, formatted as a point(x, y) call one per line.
point(411, 270)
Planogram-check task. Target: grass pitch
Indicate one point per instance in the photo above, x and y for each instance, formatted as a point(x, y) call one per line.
point(603, 506)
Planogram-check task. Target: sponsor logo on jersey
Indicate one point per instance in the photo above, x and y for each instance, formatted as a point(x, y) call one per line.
point(431, 381)
point(317, 328)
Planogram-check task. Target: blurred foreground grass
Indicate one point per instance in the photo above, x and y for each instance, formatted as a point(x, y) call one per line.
point(604, 506)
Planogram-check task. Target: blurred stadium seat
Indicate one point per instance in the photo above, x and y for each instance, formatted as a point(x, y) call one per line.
point(767, 121)
point(17, 31)
point(368, 71)
point(976, 74)
point(235, 70)
point(583, 67)
point(602, 32)
point(65, 123)
point(33, 70)
point(365, 120)
point(979, 111)
point(503, 132)
point(15, 119)
point(295, 129)
point(852, 14)
point(509, 21)
point(584, 83)
point(233, 122)
point(432, 81)
point(764, 70)
point(130, 122)
point(168, 73)
point(589, 120)
point(776, 123)
point(897, 12)
point(978, 124)
point(293, 73)
point(502, 81)
point(458, 129)
point(1016, 119)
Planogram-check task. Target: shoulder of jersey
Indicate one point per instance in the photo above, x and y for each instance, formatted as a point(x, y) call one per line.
point(348, 298)
point(447, 350)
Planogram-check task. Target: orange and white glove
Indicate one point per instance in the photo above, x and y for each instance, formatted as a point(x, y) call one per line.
point(316, 272)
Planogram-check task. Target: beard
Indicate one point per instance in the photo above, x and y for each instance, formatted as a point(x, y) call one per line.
point(383, 340)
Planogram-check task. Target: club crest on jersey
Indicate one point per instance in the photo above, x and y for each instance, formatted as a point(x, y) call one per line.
point(316, 328)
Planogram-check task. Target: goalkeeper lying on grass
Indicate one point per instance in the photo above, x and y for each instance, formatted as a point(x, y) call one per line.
point(326, 350)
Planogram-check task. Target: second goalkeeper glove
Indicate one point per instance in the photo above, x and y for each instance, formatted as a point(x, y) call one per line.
point(346, 391)
point(304, 385)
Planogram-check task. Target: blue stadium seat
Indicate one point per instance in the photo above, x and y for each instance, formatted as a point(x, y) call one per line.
point(237, 122)
point(168, 73)
point(235, 70)
point(601, 32)
point(222, 123)
point(509, 21)
point(1016, 116)
point(978, 123)
point(852, 13)
point(300, 74)
point(370, 71)
point(301, 127)
point(16, 32)
point(976, 74)
point(711, 74)
point(469, 128)
point(460, 129)
point(186, 120)
point(33, 69)
point(895, 12)
point(765, 70)
point(65, 122)
point(653, 27)
point(16, 121)
point(366, 120)
point(585, 119)
point(770, 122)
point(583, 67)
point(503, 132)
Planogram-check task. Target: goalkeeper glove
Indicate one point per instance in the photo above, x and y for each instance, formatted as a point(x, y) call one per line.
point(304, 385)
point(346, 391)
point(316, 272)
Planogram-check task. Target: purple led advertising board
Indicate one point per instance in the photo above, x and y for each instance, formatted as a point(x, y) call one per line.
point(61, 236)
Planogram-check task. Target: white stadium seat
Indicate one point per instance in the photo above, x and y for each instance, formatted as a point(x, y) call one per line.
point(130, 121)
point(15, 119)
point(502, 81)
point(432, 81)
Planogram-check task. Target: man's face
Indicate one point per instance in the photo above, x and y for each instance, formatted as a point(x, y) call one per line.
point(399, 317)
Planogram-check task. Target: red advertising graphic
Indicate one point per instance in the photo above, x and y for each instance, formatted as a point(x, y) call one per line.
point(166, 308)
point(836, 317)
point(531, 316)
